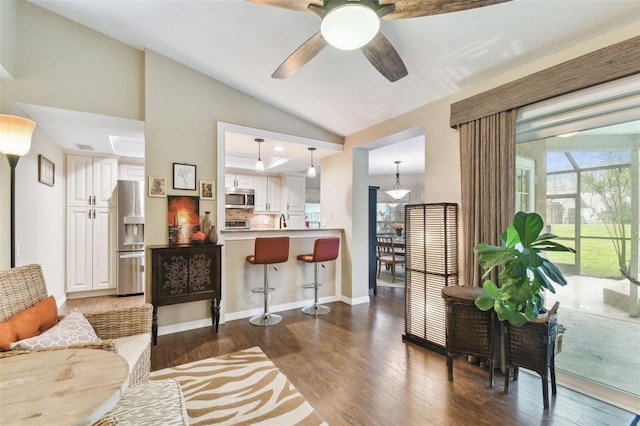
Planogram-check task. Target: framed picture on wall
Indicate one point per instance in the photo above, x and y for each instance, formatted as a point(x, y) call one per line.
point(207, 190)
point(184, 176)
point(157, 186)
point(46, 170)
point(183, 214)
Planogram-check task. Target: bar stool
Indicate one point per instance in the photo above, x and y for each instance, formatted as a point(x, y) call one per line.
point(267, 252)
point(324, 249)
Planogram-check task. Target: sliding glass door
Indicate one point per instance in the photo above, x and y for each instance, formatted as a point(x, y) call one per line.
point(586, 188)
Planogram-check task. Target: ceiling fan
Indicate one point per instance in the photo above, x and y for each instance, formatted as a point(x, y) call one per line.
point(353, 24)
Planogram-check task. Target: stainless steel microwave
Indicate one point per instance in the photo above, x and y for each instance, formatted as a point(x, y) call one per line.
point(239, 198)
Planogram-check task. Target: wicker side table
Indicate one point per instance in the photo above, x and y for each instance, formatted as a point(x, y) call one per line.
point(532, 346)
point(469, 331)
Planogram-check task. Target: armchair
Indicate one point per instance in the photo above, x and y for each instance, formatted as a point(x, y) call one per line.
point(126, 331)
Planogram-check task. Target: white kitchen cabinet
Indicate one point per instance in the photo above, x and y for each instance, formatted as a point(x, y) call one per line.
point(131, 172)
point(91, 181)
point(295, 220)
point(91, 248)
point(293, 190)
point(229, 180)
point(232, 180)
point(267, 196)
point(294, 194)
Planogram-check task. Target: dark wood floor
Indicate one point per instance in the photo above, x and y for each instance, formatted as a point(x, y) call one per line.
point(354, 368)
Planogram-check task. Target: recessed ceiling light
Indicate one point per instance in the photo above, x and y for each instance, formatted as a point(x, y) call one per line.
point(278, 148)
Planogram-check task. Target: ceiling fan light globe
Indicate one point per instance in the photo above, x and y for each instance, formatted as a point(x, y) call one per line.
point(350, 26)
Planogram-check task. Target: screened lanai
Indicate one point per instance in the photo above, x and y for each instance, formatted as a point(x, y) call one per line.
point(585, 185)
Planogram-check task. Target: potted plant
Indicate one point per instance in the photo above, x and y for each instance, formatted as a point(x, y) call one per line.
point(524, 271)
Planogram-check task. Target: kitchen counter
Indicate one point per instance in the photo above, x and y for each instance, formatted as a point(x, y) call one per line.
point(233, 230)
point(239, 276)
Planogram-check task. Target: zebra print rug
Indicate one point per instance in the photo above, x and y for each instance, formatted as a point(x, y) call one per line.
point(241, 388)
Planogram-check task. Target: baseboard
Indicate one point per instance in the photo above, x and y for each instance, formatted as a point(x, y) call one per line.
point(61, 301)
point(91, 293)
point(184, 326)
point(356, 301)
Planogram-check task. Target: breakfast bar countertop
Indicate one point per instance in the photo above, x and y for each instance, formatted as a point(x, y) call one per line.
point(244, 230)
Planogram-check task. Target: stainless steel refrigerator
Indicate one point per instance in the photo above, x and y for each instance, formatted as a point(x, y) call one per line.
point(130, 237)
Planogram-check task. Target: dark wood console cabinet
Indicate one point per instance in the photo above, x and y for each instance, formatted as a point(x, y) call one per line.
point(185, 273)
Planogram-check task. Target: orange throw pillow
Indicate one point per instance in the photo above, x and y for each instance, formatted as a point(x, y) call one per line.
point(8, 335)
point(29, 323)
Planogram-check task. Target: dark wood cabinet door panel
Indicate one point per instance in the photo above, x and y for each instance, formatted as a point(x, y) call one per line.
point(181, 274)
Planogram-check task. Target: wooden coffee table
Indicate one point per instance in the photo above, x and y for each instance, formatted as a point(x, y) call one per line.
point(60, 387)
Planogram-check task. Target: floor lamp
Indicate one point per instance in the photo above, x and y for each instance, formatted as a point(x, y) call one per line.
point(15, 141)
point(431, 254)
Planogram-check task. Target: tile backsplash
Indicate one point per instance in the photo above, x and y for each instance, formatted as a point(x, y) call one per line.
point(258, 221)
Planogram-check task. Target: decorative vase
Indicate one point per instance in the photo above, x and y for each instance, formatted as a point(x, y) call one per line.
point(206, 223)
point(213, 235)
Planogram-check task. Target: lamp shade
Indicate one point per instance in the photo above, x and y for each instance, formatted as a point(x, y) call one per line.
point(259, 167)
point(350, 26)
point(397, 192)
point(312, 170)
point(431, 254)
point(15, 134)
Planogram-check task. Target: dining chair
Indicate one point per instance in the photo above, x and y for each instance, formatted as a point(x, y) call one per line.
point(387, 254)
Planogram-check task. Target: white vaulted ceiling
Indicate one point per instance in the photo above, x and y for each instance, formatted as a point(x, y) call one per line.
point(241, 43)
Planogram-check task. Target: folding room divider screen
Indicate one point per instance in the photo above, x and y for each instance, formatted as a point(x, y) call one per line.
point(431, 239)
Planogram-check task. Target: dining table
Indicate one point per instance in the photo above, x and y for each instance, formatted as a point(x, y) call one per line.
point(60, 387)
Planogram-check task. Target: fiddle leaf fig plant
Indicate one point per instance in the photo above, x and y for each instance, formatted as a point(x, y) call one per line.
point(524, 272)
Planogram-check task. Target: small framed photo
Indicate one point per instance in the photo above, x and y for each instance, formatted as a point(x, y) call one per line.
point(46, 170)
point(157, 186)
point(207, 190)
point(184, 176)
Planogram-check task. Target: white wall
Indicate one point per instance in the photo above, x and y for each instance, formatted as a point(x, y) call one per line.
point(8, 13)
point(40, 219)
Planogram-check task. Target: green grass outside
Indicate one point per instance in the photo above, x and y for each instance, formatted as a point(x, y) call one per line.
point(598, 258)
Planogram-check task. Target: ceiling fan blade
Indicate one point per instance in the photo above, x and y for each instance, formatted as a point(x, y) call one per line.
point(415, 8)
point(300, 5)
point(303, 54)
point(384, 58)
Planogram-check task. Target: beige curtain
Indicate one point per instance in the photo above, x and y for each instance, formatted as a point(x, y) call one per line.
point(487, 160)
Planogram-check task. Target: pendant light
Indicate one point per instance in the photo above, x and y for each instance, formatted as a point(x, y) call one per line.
point(397, 192)
point(259, 164)
point(312, 170)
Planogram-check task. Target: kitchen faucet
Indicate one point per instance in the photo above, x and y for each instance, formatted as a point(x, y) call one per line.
point(283, 221)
